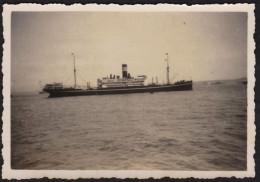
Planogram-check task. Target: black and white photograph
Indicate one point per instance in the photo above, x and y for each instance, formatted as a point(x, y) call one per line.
point(118, 91)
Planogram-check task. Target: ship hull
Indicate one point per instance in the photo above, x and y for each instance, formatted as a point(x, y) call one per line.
point(145, 89)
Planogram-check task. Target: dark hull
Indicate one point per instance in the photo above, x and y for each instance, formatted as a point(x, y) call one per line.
point(165, 88)
point(60, 90)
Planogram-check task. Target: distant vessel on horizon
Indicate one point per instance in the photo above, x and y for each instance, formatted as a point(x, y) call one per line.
point(116, 85)
point(244, 82)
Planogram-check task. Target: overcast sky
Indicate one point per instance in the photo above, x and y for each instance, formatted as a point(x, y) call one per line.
point(201, 46)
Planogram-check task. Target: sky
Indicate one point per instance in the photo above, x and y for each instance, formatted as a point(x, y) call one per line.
point(200, 45)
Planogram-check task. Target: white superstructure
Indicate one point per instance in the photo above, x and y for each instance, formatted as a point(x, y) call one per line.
point(126, 81)
point(121, 82)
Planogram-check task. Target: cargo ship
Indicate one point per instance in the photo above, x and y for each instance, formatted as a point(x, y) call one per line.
point(115, 84)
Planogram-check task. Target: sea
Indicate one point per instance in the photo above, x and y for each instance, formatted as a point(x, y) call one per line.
point(203, 129)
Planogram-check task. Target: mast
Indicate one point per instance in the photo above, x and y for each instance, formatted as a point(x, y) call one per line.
point(167, 69)
point(75, 82)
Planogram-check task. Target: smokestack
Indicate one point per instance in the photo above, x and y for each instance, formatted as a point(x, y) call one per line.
point(124, 70)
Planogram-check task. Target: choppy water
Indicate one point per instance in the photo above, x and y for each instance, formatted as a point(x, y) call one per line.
point(203, 129)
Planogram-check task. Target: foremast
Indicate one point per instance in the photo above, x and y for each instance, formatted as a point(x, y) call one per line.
point(167, 69)
point(75, 79)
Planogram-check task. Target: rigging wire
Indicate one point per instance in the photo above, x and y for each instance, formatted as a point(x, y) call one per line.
point(68, 78)
point(82, 78)
point(67, 65)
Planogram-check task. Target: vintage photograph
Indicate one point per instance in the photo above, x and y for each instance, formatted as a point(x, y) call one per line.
point(103, 89)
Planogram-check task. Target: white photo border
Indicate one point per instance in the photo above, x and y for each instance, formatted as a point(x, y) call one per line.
point(8, 173)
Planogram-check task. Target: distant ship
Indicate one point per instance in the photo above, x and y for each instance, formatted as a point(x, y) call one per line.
point(116, 85)
point(244, 82)
point(215, 83)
